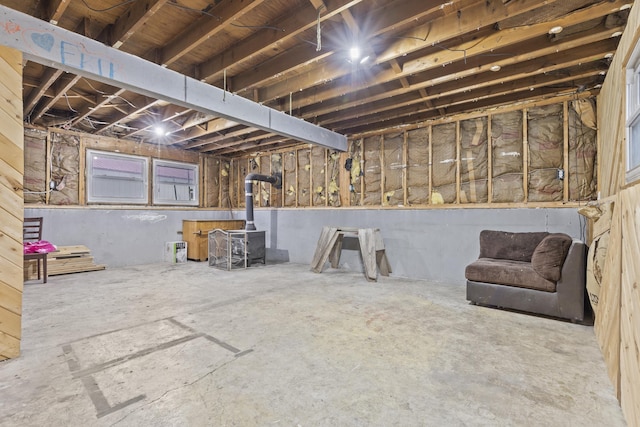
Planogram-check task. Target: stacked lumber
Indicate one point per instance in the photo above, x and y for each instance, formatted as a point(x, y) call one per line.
point(66, 260)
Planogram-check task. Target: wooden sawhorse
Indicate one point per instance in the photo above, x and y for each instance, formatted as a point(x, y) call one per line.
point(371, 247)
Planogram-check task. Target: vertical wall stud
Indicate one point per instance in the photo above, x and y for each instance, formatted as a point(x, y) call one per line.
point(204, 186)
point(430, 166)
point(345, 178)
point(565, 153)
point(297, 187)
point(82, 174)
point(229, 185)
point(405, 161)
point(362, 165)
point(525, 155)
point(489, 160)
point(326, 177)
point(382, 174)
point(311, 189)
point(47, 181)
point(458, 162)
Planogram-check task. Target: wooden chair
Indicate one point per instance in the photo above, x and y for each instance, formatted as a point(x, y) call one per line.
point(32, 232)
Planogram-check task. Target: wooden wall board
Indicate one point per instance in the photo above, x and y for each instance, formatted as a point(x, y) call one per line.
point(9, 346)
point(11, 274)
point(611, 105)
point(12, 153)
point(630, 307)
point(10, 298)
point(10, 323)
point(607, 322)
point(12, 223)
point(11, 60)
point(10, 250)
point(11, 201)
point(11, 197)
point(12, 108)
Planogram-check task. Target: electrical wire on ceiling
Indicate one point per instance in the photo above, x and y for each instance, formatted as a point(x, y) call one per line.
point(120, 97)
point(68, 103)
point(93, 87)
point(108, 8)
point(219, 18)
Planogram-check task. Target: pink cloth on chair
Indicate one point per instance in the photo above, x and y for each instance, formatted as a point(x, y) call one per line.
point(41, 246)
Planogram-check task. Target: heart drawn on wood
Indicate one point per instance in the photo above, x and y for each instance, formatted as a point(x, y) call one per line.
point(45, 41)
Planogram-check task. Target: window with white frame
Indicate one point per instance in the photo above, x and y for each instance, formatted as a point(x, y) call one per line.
point(633, 116)
point(116, 178)
point(175, 183)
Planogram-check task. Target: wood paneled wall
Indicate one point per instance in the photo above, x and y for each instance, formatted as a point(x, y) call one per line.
point(11, 201)
point(617, 324)
point(611, 108)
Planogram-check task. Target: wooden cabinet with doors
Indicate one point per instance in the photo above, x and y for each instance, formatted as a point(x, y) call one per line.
point(196, 233)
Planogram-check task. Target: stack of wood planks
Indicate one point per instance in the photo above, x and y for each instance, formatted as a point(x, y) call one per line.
point(67, 259)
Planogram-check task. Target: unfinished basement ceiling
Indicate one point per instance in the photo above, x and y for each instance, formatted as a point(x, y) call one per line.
point(419, 60)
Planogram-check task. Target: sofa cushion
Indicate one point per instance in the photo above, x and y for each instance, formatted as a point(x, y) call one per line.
point(508, 272)
point(549, 256)
point(506, 245)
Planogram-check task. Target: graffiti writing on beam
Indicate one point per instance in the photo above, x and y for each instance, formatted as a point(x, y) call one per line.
point(70, 54)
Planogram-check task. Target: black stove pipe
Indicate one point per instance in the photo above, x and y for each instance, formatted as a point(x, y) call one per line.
point(275, 180)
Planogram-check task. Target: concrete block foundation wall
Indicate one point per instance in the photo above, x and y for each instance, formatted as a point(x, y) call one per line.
point(433, 244)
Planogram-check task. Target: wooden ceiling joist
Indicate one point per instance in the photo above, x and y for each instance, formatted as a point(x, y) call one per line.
point(292, 25)
point(425, 59)
point(219, 18)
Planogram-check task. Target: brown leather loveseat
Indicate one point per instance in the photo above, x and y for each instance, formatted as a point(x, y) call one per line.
point(536, 272)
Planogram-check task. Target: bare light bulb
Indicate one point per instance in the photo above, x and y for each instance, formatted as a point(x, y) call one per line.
point(354, 53)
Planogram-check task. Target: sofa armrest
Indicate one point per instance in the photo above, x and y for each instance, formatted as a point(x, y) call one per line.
point(571, 287)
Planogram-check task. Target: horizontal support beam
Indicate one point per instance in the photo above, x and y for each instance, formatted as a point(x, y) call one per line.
point(56, 47)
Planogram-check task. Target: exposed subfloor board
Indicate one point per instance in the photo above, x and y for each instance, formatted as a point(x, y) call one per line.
point(186, 344)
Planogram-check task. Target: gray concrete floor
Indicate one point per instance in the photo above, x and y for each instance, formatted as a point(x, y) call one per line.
point(278, 345)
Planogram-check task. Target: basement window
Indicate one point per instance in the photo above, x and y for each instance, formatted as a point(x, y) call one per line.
point(633, 116)
point(175, 183)
point(116, 178)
